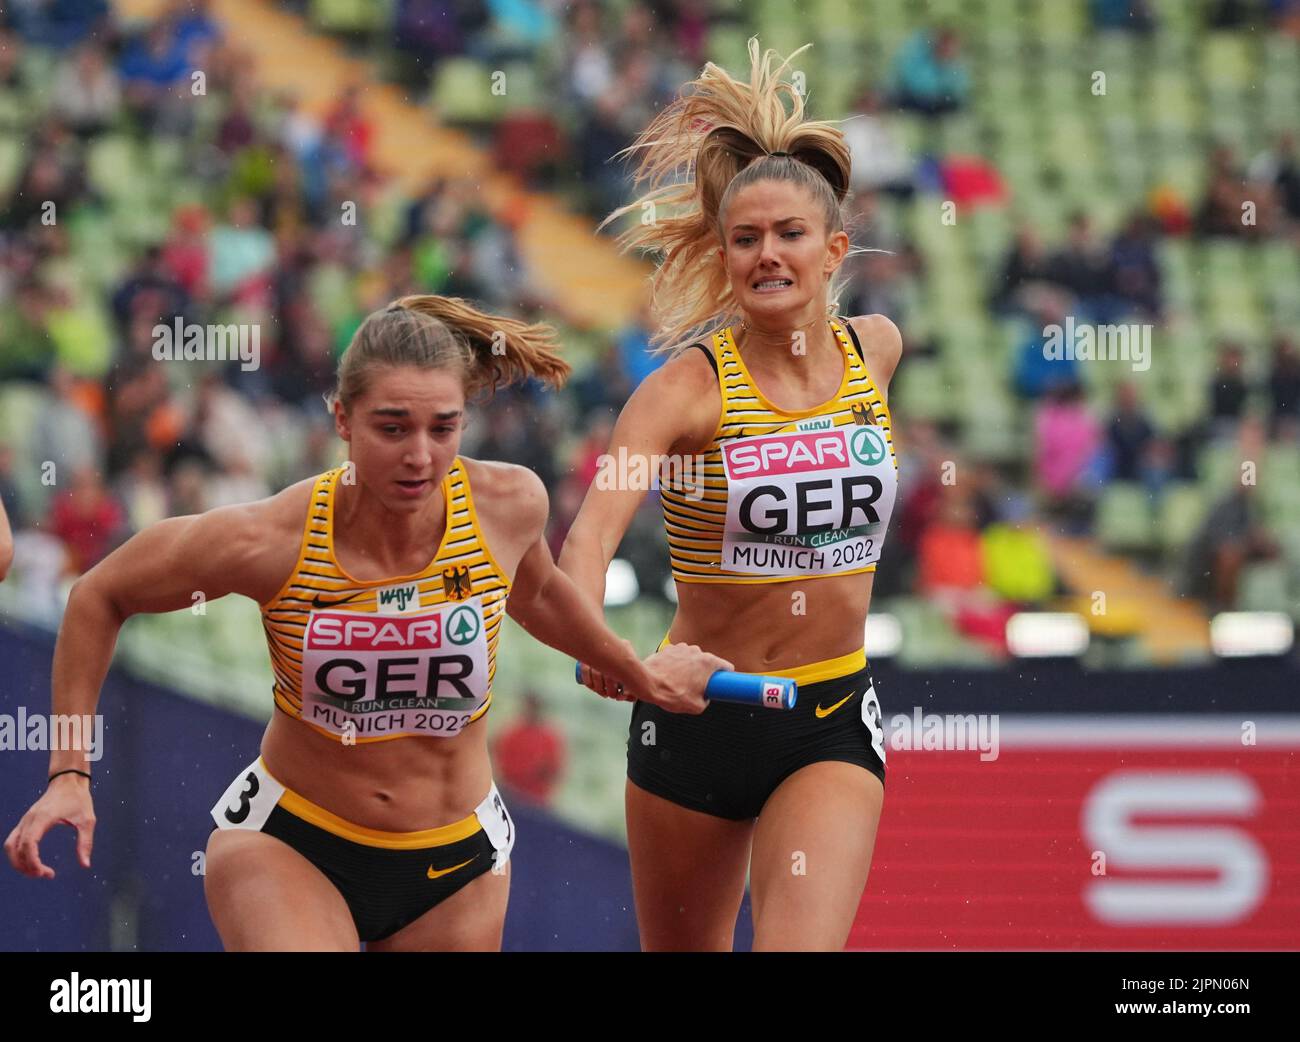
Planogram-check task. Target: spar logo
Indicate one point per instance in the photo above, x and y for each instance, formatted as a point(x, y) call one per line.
point(781, 454)
point(463, 625)
point(346, 631)
point(867, 445)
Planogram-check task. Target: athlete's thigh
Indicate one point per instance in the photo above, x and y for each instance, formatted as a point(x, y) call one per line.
point(470, 920)
point(688, 873)
point(812, 852)
point(265, 896)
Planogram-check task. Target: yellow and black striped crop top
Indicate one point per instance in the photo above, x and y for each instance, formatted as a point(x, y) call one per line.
point(779, 495)
point(370, 660)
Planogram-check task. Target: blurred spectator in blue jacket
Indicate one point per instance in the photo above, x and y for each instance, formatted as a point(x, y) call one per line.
point(1131, 15)
point(57, 23)
point(1039, 369)
point(928, 74)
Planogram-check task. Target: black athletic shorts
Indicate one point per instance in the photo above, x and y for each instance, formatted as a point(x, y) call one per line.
point(388, 879)
point(729, 759)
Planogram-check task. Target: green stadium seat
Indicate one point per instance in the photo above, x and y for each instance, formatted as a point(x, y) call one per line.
point(167, 158)
point(921, 390)
point(11, 163)
point(100, 259)
point(113, 166)
point(15, 110)
point(1114, 51)
point(1183, 172)
point(39, 66)
point(928, 636)
point(778, 25)
point(1124, 518)
point(353, 16)
point(462, 92)
point(83, 338)
point(1177, 17)
point(1264, 586)
point(1172, 104)
point(139, 222)
point(20, 405)
point(1061, 25)
point(841, 15)
point(1181, 510)
point(1288, 538)
point(1279, 483)
point(1219, 465)
point(727, 43)
point(1226, 62)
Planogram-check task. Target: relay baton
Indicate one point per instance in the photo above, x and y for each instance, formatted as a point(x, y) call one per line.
point(746, 688)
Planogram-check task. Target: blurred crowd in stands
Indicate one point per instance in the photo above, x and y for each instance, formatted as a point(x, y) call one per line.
point(258, 240)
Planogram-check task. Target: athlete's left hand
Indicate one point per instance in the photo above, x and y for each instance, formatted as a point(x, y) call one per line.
point(605, 686)
point(681, 672)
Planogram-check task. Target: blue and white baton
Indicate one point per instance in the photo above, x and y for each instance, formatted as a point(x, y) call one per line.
point(746, 688)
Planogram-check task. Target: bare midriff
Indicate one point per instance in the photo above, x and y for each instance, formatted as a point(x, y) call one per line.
point(402, 785)
point(766, 626)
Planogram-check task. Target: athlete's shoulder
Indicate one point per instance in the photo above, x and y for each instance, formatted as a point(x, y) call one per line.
point(882, 345)
point(286, 509)
point(511, 504)
point(257, 519)
point(249, 547)
point(694, 367)
point(504, 487)
point(679, 403)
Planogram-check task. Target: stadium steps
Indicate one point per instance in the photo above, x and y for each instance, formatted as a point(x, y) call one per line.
point(1171, 630)
point(584, 278)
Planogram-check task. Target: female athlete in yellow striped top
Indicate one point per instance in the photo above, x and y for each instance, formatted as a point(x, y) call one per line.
point(778, 414)
point(370, 814)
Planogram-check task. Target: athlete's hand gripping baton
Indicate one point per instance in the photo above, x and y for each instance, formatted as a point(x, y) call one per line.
point(746, 688)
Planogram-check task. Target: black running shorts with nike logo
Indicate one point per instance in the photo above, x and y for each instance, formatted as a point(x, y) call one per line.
point(729, 759)
point(387, 879)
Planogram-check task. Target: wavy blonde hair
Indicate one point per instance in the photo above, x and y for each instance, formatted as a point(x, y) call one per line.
point(715, 139)
point(432, 332)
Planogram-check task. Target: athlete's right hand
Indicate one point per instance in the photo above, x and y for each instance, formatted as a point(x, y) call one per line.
point(603, 685)
point(66, 802)
point(680, 673)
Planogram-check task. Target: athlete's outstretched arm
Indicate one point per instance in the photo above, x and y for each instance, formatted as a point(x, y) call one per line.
point(223, 551)
point(547, 603)
point(6, 543)
point(674, 410)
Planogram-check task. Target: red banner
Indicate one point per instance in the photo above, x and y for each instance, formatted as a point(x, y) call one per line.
point(1095, 833)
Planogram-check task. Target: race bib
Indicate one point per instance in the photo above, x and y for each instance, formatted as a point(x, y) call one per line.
point(249, 799)
point(498, 825)
point(812, 502)
point(875, 721)
point(419, 672)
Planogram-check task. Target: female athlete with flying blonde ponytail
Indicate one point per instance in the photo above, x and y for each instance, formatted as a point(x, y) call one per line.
point(782, 406)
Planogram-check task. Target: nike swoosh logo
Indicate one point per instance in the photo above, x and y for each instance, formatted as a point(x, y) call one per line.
point(827, 712)
point(435, 873)
point(317, 603)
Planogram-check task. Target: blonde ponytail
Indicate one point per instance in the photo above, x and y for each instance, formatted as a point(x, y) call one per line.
point(432, 332)
point(719, 136)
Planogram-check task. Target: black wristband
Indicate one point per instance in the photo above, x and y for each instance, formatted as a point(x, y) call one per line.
point(70, 770)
